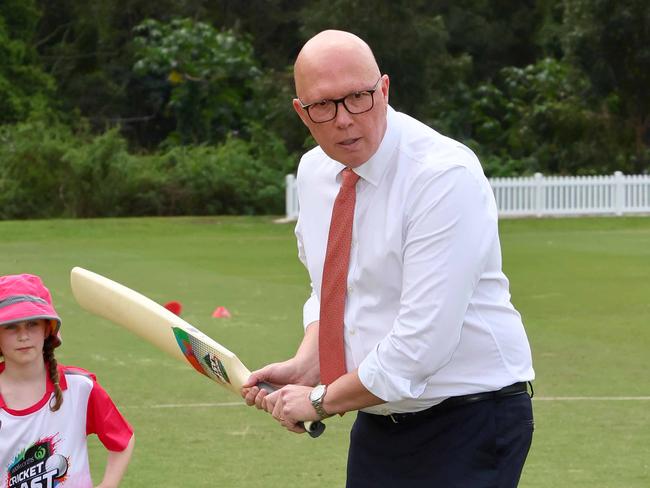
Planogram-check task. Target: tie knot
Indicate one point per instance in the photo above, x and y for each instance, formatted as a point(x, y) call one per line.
point(350, 178)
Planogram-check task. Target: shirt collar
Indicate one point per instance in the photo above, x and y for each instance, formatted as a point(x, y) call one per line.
point(373, 169)
point(49, 386)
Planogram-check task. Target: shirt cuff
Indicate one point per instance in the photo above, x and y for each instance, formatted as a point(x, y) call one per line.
point(311, 311)
point(389, 387)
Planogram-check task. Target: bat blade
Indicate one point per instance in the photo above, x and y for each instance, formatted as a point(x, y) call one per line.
point(165, 330)
point(154, 323)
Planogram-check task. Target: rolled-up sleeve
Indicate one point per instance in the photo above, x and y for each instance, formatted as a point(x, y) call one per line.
point(310, 310)
point(449, 229)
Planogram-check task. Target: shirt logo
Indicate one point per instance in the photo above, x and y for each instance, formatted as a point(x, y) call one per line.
point(37, 466)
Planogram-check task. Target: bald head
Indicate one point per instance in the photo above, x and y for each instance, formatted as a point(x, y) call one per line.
point(334, 53)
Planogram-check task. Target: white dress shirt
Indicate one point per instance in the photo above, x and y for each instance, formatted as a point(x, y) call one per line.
point(428, 312)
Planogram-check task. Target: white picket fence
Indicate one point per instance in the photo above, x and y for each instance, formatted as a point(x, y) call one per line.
point(540, 196)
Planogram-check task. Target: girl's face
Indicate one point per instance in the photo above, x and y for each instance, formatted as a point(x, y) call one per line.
point(22, 342)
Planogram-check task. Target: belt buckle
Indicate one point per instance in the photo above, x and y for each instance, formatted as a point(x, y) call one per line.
point(392, 417)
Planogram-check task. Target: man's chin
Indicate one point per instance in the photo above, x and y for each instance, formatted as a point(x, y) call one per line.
point(351, 159)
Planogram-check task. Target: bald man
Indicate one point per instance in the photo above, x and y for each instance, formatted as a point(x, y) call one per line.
point(420, 336)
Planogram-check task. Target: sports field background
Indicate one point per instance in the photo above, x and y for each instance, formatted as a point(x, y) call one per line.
point(582, 285)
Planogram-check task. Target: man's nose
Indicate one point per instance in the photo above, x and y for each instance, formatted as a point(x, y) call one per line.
point(343, 117)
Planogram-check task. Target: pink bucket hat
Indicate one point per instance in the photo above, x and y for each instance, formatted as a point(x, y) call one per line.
point(25, 297)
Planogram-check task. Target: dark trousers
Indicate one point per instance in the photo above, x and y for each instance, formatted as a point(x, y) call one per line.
point(476, 445)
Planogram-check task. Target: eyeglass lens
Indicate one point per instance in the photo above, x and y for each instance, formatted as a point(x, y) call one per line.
point(355, 103)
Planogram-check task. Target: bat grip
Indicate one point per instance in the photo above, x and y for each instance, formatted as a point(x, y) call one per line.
point(314, 429)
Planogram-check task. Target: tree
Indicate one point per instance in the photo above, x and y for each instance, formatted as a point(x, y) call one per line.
point(493, 33)
point(211, 76)
point(24, 87)
point(610, 41)
point(87, 47)
point(273, 27)
point(540, 118)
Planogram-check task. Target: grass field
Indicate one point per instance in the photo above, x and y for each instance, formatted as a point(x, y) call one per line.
point(582, 285)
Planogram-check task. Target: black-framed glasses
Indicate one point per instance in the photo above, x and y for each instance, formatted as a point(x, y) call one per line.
point(355, 103)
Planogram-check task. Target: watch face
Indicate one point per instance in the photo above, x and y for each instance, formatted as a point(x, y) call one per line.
point(317, 393)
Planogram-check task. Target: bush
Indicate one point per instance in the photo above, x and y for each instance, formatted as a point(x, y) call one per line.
point(73, 174)
point(540, 119)
point(235, 177)
point(32, 175)
point(99, 179)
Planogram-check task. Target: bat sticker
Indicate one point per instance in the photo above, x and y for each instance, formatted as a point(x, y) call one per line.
point(216, 366)
point(200, 357)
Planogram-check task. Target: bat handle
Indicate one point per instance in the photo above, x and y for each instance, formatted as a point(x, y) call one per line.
point(314, 429)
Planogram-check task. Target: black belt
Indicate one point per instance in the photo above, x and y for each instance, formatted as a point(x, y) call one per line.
point(455, 401)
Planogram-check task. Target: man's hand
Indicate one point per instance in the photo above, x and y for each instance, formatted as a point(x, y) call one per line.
point(290, 405)
point(276, 374)
point(294, 379)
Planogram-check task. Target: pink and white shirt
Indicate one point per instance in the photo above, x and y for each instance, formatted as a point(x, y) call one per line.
point(45, 449)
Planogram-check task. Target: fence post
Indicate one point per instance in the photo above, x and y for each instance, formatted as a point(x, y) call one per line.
point(291, 204)
point(619, 192)
point(539, 194)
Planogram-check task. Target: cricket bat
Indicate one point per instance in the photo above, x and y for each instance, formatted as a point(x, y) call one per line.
point(165, 330)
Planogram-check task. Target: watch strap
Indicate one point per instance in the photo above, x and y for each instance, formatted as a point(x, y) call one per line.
point(318, 405)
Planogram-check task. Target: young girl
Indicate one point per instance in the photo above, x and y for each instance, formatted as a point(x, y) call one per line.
point(46, 409)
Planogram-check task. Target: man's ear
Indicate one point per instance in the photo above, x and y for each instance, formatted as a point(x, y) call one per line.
point(385, 85)
point(302, 113)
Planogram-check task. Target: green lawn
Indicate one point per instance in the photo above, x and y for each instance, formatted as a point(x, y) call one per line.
point(582, 285)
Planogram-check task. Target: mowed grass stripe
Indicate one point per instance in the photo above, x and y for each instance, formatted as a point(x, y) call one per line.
point(240, 404)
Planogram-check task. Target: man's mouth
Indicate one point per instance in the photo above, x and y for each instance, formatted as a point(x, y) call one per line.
point(349, 142)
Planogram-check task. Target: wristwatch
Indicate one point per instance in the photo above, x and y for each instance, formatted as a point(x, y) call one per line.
point(316, 397)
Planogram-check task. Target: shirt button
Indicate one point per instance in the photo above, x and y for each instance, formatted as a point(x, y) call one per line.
point(352, 331)
point(350, 289)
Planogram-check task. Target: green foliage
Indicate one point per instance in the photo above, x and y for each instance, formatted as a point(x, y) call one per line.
point(79, 175)
point(88, 48)
point(211, 75)
point(610, 41)
point(493, 34)
point(154, 108)
point(66, 174)
point(24, 87)
point(98, 183)
point(31, 174)
point(539, 118)
point(235, 177)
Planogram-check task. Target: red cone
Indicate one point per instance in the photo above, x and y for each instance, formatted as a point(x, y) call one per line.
point(174, 307)
point(221, 313)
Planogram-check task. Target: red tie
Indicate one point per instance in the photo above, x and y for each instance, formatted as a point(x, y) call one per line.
point(334, 284)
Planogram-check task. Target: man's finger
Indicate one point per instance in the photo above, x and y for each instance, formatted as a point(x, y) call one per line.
point(296, 427)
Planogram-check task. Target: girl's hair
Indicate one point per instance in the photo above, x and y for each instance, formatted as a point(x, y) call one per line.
point(53, 372)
